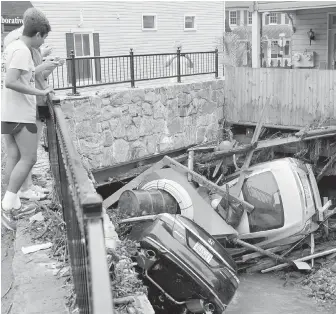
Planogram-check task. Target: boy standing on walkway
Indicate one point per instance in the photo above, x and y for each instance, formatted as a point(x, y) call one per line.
point(28, 189)
point(18, 112)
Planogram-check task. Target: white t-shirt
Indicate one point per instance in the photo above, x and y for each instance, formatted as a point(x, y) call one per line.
point(18, 107)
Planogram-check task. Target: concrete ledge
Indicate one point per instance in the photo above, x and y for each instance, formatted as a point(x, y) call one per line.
point(36, 288)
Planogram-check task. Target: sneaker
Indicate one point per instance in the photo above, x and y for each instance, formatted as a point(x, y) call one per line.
point(32, 195)
point(7, 220)
point(39, 189)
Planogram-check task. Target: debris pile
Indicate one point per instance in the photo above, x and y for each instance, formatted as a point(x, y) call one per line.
point(216, 174)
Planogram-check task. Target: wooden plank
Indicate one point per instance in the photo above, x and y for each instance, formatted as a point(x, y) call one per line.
point(326, 167)
point(247, 257)
point(102, 175)
point(256, 134)
point(306, 258)
point(205, 182)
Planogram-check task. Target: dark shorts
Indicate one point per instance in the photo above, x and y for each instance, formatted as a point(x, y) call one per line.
point(15, 127)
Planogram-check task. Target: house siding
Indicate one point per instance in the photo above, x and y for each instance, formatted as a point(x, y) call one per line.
point(119, 25)
point(292, 5)
point(317, 21)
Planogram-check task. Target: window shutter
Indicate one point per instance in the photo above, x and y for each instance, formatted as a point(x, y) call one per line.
point(227, 21)
point(286, 19)
point(245, 17)
point(279, 18)
point(96, 51)
point(69, 42)
point(267, 19)
point(238, 18)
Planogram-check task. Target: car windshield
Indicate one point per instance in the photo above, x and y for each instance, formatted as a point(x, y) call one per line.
point(263, 193)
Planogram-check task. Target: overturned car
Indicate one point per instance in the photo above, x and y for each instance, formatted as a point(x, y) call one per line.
point(284, 194)
point(185, 268)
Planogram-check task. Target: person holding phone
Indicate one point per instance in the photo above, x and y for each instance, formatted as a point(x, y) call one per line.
point(18, 111)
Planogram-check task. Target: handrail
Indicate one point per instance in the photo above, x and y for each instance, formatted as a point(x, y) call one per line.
point(88, 71)
point(82, 212)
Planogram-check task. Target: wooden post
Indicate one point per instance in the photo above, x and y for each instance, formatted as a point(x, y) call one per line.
point(256, 27)
point(326, 223)
point(190, 163)
point(312, 247)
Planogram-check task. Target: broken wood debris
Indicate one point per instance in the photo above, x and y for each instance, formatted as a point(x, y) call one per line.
point(306, 258)
point(326, 167)
point(271, 255)
point(268, 143)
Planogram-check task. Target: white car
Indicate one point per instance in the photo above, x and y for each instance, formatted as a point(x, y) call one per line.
point(286, 199)
point(284, 193)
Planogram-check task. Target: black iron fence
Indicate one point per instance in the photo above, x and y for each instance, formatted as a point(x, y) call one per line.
point(82, 212)
point(80, 72)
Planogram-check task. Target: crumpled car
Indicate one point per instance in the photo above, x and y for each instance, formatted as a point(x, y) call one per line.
point(185, 268)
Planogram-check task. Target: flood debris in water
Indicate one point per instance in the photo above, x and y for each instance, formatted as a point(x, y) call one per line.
point(260, 200)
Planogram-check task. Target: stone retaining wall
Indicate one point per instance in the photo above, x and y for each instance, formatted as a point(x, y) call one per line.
point(116, 126)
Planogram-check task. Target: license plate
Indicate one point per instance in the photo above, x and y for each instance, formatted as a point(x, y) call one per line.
point(203, 252)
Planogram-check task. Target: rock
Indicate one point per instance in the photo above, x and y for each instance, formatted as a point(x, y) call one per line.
point(120, 150)
point(147, 109)
point(333, 268)
point(175, 126)
point(108, 139)
point(132, 133)
point(159, 110)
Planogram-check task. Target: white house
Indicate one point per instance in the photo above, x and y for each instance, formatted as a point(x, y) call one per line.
point(317, 18)
point(276, 30)
point(112, 28)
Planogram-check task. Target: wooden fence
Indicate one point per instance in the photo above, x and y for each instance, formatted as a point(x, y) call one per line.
point(300, 95)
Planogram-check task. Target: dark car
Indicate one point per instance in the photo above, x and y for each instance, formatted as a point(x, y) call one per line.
point(186, 269)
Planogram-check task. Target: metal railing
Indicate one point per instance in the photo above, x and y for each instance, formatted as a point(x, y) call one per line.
point(80, 72)
point(82, 212)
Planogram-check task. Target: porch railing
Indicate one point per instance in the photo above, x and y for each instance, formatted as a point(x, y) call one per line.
point(82, 212)
point(80, 72)
point(283, 64)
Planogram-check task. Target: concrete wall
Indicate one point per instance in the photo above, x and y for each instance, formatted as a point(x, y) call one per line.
point(118, 126)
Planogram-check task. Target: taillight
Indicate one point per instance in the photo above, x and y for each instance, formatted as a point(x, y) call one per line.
point(228, 274)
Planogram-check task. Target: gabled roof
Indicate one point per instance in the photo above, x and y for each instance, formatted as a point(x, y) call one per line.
point(281, 6)
point(269, 31)
point(14, 8)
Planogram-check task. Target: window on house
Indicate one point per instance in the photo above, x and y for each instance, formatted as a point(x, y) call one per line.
point(334, 20)
point(149, 21)
point(250, 18)
point(82, 45)
point(273, 18)
point(189, 22)
point(233, 17)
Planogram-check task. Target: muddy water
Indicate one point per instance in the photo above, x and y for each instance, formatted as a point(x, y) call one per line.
point(265, 294)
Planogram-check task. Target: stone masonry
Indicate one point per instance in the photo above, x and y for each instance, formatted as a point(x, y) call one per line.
point(111, 127)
